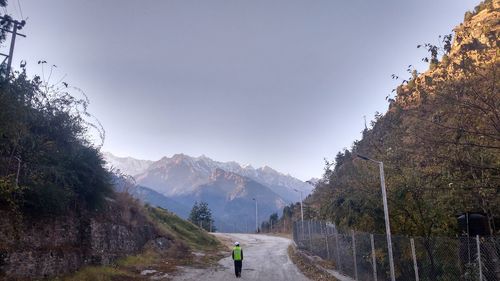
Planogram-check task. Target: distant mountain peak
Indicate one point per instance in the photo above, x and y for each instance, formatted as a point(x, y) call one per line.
point(181, 173)
point(220, 175)
point(126, 165)
point(247, 166)
point(267, 169)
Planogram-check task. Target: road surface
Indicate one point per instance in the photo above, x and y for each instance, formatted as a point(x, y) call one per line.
point(264, 258)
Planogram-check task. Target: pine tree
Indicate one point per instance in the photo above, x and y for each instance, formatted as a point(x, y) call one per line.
point(201, 215)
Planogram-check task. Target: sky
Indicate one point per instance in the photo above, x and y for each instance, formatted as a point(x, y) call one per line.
point(283, 83)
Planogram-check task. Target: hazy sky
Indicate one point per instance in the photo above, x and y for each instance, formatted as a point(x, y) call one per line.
point(282, 83)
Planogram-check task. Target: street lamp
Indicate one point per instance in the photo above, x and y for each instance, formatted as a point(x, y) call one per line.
point(301, 208)
point(256, 216)
point(386, 213)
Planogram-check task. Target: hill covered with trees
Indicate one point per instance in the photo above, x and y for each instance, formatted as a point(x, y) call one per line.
point(439, 142)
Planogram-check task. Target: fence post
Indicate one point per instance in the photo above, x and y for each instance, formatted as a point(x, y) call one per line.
point(310, 237)
point(354, 255)
point(326, 242)
point(336, 233)
point(414, 256)
point(374, 258)
point(479, 258)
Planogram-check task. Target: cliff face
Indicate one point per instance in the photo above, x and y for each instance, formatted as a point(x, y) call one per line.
point(475, 44)
point(55, 246)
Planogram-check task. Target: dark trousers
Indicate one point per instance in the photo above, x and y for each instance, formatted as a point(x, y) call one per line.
point(237, 268)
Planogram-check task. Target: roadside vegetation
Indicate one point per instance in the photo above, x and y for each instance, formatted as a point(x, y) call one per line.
point(48, 163)
point(314, 270)
point(202, 215)
point(439, 142)
point(191, 246)
point(50, 166)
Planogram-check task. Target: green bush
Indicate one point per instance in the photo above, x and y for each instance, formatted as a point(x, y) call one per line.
point(47, 164)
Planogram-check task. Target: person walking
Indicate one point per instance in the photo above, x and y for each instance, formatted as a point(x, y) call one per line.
point(238, 259)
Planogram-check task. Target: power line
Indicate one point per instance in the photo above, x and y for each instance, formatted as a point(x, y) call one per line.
point(16, 26)
point(20, 9)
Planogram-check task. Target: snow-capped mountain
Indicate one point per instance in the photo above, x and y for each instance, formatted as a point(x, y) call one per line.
point(229, 188)
point(181, 174)
point(127, 165)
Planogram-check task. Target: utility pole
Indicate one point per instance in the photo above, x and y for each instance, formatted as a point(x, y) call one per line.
point(301, 210)
point(16, 26)
point(256, 216)
point(386, 214)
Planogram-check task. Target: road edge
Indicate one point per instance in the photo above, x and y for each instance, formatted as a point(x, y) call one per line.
point(306, 265)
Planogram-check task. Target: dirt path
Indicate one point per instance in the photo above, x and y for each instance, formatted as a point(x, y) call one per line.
point(265, 258)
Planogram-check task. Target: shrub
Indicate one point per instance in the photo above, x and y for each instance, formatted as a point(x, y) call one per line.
point(46, 161)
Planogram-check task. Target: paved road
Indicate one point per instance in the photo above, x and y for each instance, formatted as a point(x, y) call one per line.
point(265, 258)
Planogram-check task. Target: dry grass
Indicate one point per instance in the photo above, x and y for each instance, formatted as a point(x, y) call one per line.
point(185, 238)
point(100, 273)
point(280, 234)
point(307, 267)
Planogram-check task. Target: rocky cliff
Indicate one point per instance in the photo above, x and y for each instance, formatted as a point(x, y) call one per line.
point(53, 246)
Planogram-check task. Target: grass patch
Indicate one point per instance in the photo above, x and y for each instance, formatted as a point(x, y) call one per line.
point(183, 230)
point(186, 237)
point(99, 273)
point(142, 260)
point(307, 267)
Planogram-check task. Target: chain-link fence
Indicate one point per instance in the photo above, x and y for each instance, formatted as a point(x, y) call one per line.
point(364, 256)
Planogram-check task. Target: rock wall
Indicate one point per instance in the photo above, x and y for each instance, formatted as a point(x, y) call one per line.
point(54, 246)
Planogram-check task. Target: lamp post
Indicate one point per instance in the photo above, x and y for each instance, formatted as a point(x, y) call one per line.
point(301, 209)
point(386, 213)
point(256, 216)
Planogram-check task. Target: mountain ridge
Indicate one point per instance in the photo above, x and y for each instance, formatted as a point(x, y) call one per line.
point(155, 174)
point(229, 188)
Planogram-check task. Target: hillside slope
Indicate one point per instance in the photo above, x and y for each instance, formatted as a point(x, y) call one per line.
point(125, 234)
point(230, 197)
point(439, 141)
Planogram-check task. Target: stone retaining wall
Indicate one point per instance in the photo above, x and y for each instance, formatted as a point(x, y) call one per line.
point(55, 246)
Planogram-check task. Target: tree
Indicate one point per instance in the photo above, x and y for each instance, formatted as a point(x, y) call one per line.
point(439, 141)
point(201, 216)
point(47, 162)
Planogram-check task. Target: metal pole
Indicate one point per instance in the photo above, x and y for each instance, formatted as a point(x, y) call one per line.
point(478, 244)
point(468, 237)
point(414, 256)
point(310, 237)
point(387, 224)
point(374, 258)
point(11, 51)
point(336, 232)
point(326, 242)
point(256, 218)
point(354, 255)
point(301, 213)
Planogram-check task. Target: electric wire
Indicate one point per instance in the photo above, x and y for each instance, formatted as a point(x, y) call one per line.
point(20, 9)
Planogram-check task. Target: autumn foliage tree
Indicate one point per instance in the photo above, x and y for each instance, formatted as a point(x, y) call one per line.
point(439, 141)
